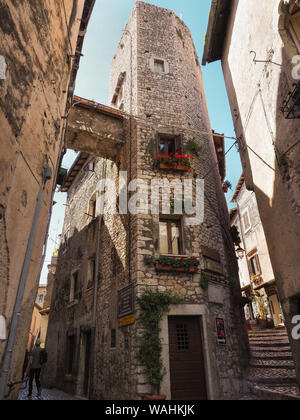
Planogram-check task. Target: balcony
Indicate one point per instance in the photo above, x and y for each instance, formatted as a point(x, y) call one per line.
point(291, 105)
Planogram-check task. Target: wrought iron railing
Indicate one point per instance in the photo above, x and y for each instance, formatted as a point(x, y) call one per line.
point(291, 105)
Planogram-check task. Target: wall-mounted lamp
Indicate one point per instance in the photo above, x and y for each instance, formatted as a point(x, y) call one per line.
point(240, 252)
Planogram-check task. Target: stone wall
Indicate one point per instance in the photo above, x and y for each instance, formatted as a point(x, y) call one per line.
point(35, 48)
point(269, 143)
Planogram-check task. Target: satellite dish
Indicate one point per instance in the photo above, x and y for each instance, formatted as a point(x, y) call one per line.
point(2, 328)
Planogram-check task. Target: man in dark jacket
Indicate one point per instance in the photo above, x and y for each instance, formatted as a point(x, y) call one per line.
point(36, 359)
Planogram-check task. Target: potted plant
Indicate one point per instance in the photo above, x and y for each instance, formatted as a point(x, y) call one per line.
point(153, 304)
point(226, 186)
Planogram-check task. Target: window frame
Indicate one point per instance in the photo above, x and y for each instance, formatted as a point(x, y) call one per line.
point(169, 221)
point(253, 255)
point(177, 140)
point(246, 212)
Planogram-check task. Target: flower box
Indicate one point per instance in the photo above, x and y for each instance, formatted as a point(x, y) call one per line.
point(169, 167)
point(161, 267)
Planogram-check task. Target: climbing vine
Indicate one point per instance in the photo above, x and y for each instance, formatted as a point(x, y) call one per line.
point(153, 304)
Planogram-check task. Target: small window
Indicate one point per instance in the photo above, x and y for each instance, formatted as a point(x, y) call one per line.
point(41, 298)
point(170, 237)
point(91, 273)
point(246, 220)
point(159, 66)
point(74, 286)
point(92, 208)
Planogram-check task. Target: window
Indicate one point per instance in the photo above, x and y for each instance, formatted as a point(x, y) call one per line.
point(167, 144)
point(159, 66)
point(74, 286)
point(246, 220)
point(41, 298)
point(170, 237)
point(254, 264)
point(92, 208)
point(91, 272)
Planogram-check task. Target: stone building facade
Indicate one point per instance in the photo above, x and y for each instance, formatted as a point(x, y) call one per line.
point(258, 43)
point(156, 82)
point(40, 49)
point(255, 268)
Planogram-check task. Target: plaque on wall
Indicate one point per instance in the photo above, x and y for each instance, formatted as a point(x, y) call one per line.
point(125, 301)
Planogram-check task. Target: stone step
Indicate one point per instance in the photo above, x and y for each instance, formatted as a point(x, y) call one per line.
point(280, 393)
point(276, 377)
point(270, 344)
point(272, 337)
point(274, 364)
point(272, 356)
point(268, 349)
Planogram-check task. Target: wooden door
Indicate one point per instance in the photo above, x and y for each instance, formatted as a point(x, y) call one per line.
point(187, 372)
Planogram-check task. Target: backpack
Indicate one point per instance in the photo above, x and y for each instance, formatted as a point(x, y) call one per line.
point(43, 357)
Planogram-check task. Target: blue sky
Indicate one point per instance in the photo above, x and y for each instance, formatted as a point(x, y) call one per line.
point(108, 20)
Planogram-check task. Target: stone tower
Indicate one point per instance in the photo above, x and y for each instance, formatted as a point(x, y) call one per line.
point(156, 82)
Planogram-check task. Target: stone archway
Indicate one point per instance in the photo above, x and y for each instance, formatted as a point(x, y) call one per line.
point(289, 25)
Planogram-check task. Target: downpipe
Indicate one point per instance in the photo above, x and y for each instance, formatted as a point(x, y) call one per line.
point(47, 174)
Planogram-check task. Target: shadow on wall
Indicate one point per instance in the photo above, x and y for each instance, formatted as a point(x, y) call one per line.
point(73, 315)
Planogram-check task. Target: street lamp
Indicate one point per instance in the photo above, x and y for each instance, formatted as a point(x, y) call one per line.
point(240, 252)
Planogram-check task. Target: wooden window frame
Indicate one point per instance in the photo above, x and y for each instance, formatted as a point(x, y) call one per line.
point(246, 212)
point(177, 140)
point(254, 255)
point(169, 221)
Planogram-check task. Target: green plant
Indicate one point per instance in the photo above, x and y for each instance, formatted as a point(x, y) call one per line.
point(153, 304)
point(193, 147)
point(204, 281)
point(151, 147)
point(148, 260)
point(178, 261)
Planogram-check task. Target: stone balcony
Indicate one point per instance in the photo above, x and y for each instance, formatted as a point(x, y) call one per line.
point(95, 129)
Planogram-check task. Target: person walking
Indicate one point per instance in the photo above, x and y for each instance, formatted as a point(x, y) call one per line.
point(37, 358)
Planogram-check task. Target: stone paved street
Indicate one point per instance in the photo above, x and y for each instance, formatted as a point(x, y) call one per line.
point(47, 394)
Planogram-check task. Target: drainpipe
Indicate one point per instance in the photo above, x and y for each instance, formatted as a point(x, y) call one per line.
point(96, 283)
point(47, 174)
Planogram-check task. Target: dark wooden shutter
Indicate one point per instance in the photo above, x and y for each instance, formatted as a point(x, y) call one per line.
point(179, 144)
point(156, 145)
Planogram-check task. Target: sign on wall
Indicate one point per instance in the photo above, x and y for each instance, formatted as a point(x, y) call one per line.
point(221, 334)
point(125, 301)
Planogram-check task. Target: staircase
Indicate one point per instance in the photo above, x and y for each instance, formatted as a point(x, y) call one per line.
point(271, 375)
